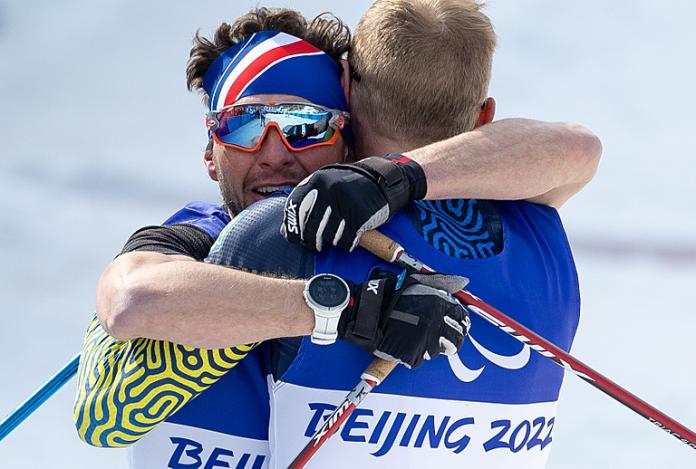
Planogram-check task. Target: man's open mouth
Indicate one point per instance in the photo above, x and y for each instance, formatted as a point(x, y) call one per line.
point(268, 190)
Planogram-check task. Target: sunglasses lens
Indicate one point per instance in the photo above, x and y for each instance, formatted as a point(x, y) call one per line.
point(305, 125)
point(302, 125)
point(240, 126)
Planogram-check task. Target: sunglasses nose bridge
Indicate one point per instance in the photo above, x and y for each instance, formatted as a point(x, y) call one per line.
point(274, 149)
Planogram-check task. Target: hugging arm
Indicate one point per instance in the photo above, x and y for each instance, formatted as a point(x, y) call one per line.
point(126, 387)
point(512, 159)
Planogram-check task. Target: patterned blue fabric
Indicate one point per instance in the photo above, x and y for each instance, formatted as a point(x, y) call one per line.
point(459, 228)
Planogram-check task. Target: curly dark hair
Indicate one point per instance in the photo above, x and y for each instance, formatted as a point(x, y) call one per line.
point(326, 31)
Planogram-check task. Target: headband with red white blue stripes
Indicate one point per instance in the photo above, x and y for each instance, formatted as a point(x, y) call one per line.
point(271, 62)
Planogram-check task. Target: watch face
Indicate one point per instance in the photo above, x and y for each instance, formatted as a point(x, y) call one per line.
point(328, 291)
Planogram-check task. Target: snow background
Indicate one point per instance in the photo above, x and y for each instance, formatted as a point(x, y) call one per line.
point(86, 86)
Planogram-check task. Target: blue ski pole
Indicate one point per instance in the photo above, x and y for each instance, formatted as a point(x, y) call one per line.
point(34, 401)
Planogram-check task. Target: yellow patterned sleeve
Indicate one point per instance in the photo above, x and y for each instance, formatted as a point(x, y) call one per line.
point(125, 388)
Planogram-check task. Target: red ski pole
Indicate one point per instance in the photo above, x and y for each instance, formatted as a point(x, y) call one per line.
point(390, 251)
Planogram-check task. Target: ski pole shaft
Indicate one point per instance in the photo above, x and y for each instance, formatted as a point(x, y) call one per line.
point(378, 370)
point(41, 395)
point(390, 251)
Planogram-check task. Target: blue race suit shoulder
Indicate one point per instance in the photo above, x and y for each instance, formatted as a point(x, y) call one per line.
point(211, 218)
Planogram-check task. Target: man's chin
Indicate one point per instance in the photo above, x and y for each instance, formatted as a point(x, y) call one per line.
point(234, 205)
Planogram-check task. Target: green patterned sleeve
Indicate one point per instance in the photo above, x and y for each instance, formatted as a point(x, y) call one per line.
point(125, 388)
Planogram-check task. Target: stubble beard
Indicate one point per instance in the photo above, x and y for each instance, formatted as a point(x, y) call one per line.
point(234, 201)
point(231, 201)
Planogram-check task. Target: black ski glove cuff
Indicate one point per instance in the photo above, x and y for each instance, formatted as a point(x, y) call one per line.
point(413, 172)
point(400, 179)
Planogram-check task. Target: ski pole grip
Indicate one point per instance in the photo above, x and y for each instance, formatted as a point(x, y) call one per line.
point(378, 370)
point(380, 245)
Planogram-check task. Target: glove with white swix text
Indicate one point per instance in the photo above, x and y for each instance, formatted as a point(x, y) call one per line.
point(407, 319)
point(338, 203)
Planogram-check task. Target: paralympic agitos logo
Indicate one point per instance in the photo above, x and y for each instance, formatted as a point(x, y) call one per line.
point(510, 362)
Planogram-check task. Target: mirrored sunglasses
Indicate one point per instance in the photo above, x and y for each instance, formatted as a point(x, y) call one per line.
point(301, 125)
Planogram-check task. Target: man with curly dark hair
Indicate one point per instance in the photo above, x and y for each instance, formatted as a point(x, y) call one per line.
point(169, 327)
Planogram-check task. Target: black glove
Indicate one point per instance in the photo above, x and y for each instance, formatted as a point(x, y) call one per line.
point(417, 321)
point(338, 203)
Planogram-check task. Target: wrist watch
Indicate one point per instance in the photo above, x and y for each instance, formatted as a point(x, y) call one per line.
point(327, 295)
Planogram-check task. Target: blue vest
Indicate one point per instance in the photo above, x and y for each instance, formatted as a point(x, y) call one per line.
point(226, 425)
point(491, 406)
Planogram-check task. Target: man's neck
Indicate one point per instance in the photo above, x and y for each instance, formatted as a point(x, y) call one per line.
point(371, 144)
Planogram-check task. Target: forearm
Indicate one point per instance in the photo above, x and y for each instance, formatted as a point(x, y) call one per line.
point(152, 374)
point(197, 304)
point(511, 159)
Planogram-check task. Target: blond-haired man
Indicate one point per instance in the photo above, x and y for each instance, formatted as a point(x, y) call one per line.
point(420, 71)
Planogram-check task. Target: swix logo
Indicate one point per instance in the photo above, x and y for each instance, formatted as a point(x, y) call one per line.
point(189, 454)
point(354, 398)
point(330, 422)
point(509, 362)
point(291, 217)
point(373, 286)
point(388, 429)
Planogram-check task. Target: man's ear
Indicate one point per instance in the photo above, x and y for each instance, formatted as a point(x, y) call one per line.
point(487, 112)
point(345, 79)
point(209, 163)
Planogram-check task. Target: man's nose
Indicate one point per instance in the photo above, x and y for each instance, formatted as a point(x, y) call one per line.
point(273, 152)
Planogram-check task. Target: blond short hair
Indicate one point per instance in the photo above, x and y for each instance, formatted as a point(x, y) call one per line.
point(421, 68)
